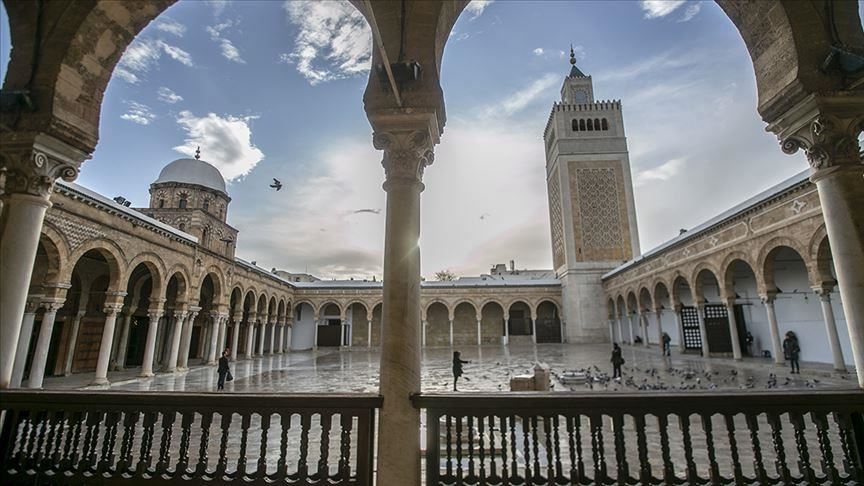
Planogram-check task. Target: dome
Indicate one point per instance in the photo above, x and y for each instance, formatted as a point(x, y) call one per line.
point(193, 171)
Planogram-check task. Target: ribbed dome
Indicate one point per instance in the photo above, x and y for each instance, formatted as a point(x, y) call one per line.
point(193, 171)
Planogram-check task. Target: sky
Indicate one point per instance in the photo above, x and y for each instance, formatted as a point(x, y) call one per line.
point(271, 89)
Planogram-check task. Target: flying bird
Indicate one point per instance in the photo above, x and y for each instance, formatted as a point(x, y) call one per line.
point(371, 211)
point(484, 216)
point(276, 184)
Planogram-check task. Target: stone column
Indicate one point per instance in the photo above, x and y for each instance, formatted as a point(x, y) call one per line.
point(533, 328)
point(824, 294)
point(776, 345)
point(73, 341)
point(125, 327)
point(658, 318)
point(316, 321)
point(23, 346)
point(250, 334)
point(621, 337)
point(827, 129)
point(506, 329)
point(111, 309)
point(451, 332)
point(423, 325)
point(213, 343)
point(40, 355)
point(176, 337)
point(288, 325)
point(280, 328)
point(155, 314)
point(643, 323)
point(406, 153)
point(680, 324)
point(369, 331)
point(31, 164)
point(703, 331)
point(733, 330)
point(262, 335)
point(235, 334)
point(186, 339)
point(223, 334)
point(272, 323)
point(479, 332)
point(630, 327)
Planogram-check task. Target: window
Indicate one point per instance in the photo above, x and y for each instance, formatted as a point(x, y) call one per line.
point(204, 236)
point(206, 204)
point(581, 125)
point(575, 125)
point(161, 203)
point(182, 227)
point(605, 124)
point(590, 125)
point(182, 204)
point(596, 124)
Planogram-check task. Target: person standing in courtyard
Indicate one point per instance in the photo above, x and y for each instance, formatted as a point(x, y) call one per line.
point(792, 351)
point(617, 361)
point(457, 367)
point(223, 369)
point(667, 345)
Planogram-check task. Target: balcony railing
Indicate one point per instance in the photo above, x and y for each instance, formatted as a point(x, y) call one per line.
point(86, 438)
point(557, 438)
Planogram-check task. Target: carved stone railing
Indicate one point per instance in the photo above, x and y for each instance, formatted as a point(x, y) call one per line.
point(86, 438)
point(558, 438)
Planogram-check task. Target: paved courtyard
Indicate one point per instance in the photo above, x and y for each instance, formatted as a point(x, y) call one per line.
point(356, 370)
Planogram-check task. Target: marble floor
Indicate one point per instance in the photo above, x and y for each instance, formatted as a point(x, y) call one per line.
point(356, 370)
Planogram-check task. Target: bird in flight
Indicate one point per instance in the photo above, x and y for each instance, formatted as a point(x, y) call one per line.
point(276, 184)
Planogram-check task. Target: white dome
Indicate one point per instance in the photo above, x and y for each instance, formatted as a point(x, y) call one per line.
point(193, 171)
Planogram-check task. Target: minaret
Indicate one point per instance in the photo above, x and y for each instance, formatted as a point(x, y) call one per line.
point(591, 208)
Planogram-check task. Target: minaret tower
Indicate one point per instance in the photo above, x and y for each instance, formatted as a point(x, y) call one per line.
point(591, 208)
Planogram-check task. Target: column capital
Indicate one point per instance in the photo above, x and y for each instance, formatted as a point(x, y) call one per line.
point(180, 315)
point(407, 153)
point(824, 292)
point(826, 128)
point(34, 160)
point(114, 297)
point(112, 309)
point(53, 305)
point(768, 297)
point(728, 301)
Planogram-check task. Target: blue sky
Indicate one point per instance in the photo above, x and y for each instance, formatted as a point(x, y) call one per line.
point(271, 89)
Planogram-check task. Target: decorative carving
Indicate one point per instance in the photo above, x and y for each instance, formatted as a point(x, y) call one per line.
point(598, 206)
point(797, 206)
point(827, 141)
point(33, 172)
point(76, 232)
point(557, 220)
point(406, 154)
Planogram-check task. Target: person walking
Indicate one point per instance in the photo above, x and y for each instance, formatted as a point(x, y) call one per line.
point(457, 367)
point(223, 370)
point(667, 345)
point(617, 361)
point(791, 351)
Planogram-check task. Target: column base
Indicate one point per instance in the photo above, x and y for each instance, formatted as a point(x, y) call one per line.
point(100, 382)
point(146, 375)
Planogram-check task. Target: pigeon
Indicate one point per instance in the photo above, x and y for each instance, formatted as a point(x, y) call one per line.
point(276, 184)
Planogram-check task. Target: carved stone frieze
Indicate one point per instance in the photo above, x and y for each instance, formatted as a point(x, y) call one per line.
point(31, 167)
point(406, 154)
point(827, 141)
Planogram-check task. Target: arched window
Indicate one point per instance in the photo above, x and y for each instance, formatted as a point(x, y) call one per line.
point(182, 204)
point(590, 125)
point(182, 227)
point(605, 124)
point(204, 236)
point(575, 125)
point(596, 124)
point(206, 204)
point(581, 125)
point(161, 203)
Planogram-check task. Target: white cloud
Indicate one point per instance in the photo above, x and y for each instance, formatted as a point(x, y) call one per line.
point(660, 8)
point(171, 26)
point(334, 41)
point(138, 113)
point(476, 8)
point(218, 6)
point(229, 50)
point(225, 141)
point(143, 54)
point(518, 100)
point(691, 11)
point(662, 172)
point(168, 96)
point(538, 51)
point(666, 61)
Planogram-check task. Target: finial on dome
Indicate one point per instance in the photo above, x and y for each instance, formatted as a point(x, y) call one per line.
point(198, 153)
point(572, 55)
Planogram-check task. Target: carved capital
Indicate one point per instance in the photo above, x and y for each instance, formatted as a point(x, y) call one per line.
point(406, 154)
point(52, 306)
point(31, 164)
point(180, 315)
point(112, 309)
point(768, 298)
point(827, 141)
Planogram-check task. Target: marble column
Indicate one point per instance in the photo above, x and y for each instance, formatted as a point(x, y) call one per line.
point(43, 342)
point(215, 320)
point(827, 129)
point(733, 329)
point(622, 339)
point(123, 345)
point(703, 331)
point(186, 339)
point(534, 329)
point(176, 337)
point(32, 161)
point(278, 333)
point(250, 334)
point(235, 335)
point(423, 325)
point(223, 334)
point(824, 294)
point(451, 332)
point(262, 335)
point(506, 329)
point(369, 332)
point(643, 323)
point(479, 332)
point(630, 327)
point(317, 323)
point(272, 323)
point(658, 319)
point(23, 347)
point(406, 153)
point(111, 310)
point(288, 328)
point(776, 345)
point(73, 341)
point(155, 315)
point(680, 325)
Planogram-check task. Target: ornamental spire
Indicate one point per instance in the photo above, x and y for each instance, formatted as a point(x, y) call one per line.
point(572, 56)
point(198, 153)
point(574, 71)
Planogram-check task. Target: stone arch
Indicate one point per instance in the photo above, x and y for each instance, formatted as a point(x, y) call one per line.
point(465, 317)
point(261, 306)
point(360, 302)
point(632, 302)
point(308, 302)
point(491, 314)
point(154, 263)
point(489, 300)
point(678, 279)
point(646, 300)
point(177, 275)
point(820, 255)
point(437, 314)
point(765, 261)
point(548, 322)
point(425, 309)
point(112, 254)
point(698, 272)
point(610, 307)
point(656, 295)
point(56, 257)
point(724, 274)
point(218, 278)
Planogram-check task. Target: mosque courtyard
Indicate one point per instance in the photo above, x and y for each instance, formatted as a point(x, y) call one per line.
point(356, 370)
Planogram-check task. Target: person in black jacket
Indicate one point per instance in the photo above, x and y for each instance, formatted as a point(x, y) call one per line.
point(617, 361)
point(457, 367)
point(792, 350)
point(223, 369)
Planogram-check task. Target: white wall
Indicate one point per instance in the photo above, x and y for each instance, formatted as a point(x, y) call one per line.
point(303, 334)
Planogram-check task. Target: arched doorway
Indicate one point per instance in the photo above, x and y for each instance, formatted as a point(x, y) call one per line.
point(548, 323)
point(330, 328)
